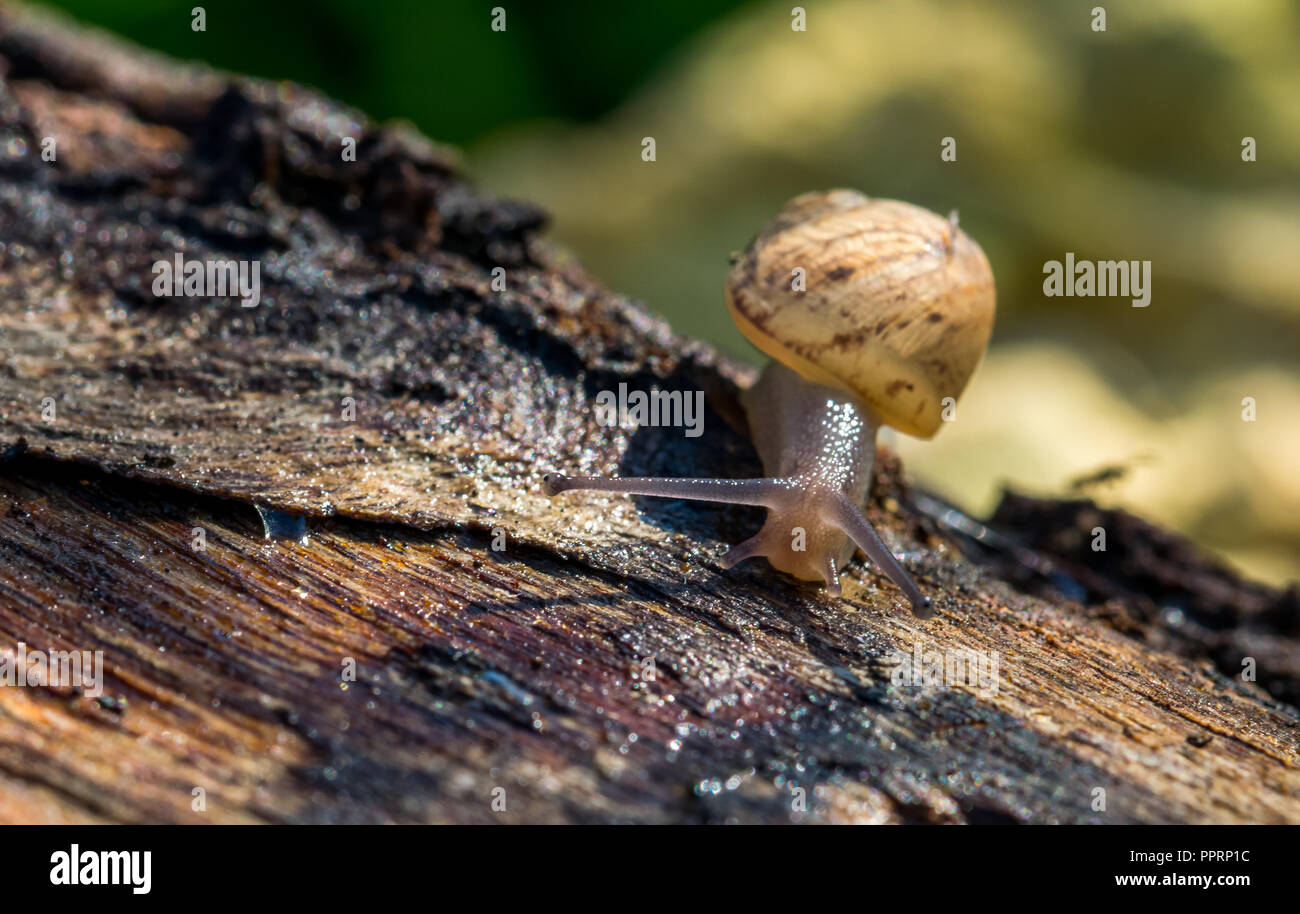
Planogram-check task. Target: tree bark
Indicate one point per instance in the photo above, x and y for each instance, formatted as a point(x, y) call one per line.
point(516, 658)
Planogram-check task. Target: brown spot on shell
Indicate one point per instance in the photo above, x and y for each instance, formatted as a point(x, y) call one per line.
point(840, 273)
point(934, 317)
point(842, 340)
point(893, 387)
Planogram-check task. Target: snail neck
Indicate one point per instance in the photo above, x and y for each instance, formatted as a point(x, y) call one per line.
point(824, 436)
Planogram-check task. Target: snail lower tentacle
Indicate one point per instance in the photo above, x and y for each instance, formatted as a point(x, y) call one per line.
point(857, 528)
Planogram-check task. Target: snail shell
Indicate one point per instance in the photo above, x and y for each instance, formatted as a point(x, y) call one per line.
point(897, 305)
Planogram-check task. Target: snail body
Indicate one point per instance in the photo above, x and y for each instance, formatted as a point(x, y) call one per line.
point(875, 312)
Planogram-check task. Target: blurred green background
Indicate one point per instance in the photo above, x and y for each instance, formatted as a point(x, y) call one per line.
point(1116, 144)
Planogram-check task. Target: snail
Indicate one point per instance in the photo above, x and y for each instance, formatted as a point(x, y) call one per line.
point(891, 317)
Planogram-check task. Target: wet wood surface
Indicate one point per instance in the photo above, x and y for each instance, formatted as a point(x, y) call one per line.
point(516, 658)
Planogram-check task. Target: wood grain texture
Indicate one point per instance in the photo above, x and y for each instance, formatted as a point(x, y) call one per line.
point(599, 667)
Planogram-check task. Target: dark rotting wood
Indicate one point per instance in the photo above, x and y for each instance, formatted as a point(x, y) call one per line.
point(599, 667)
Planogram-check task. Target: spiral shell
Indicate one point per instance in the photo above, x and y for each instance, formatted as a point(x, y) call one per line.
point(896, 303)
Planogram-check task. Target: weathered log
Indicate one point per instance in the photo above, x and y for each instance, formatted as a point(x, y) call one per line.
point(599, 667)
